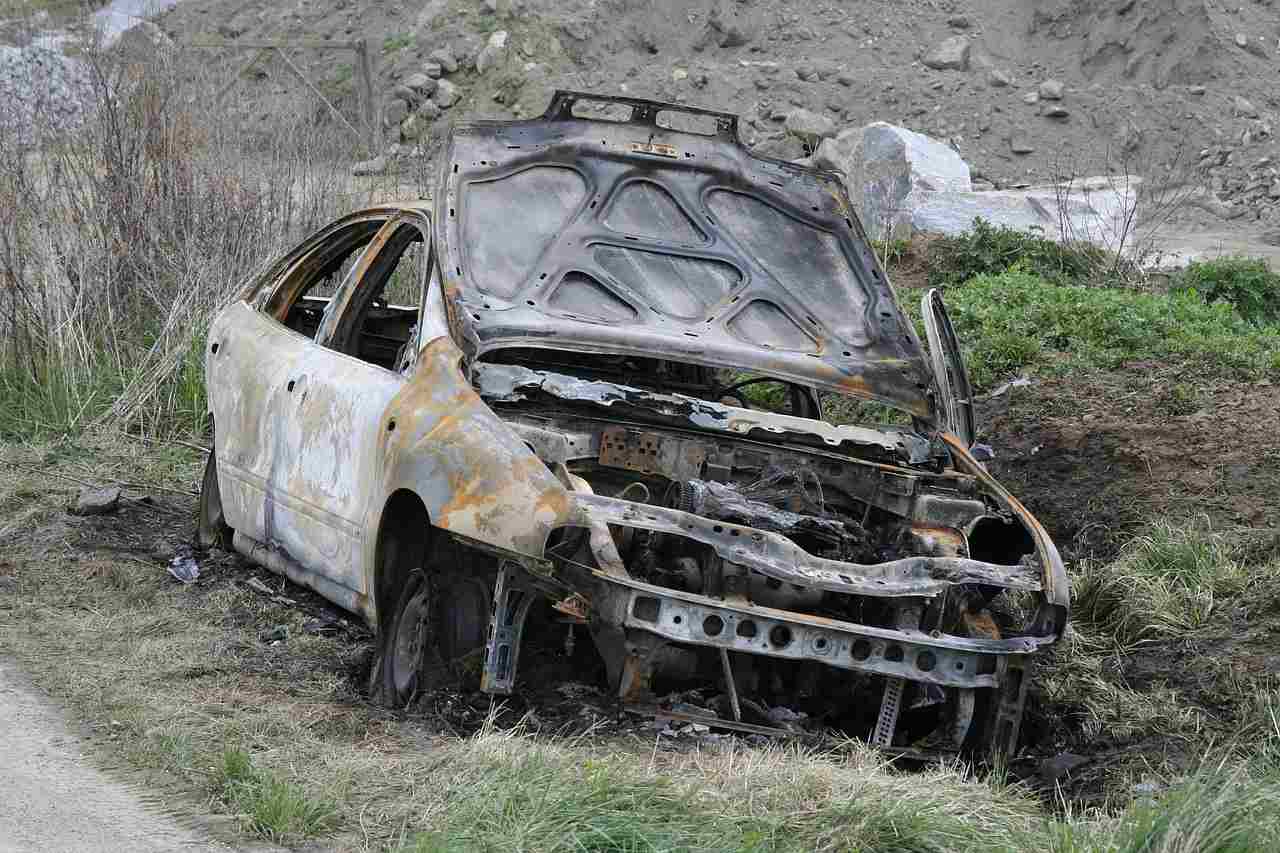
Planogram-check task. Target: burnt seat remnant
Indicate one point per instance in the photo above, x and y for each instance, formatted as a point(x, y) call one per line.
point(590, 380)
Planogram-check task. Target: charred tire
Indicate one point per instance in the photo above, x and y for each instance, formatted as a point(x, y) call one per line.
point(211, 526)
point(405, 641)
point(436, 635)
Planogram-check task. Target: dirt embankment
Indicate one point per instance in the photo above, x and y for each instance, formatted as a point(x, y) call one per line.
point(1175, 90)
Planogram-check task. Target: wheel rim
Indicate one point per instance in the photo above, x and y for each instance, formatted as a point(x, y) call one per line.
point(410, 640)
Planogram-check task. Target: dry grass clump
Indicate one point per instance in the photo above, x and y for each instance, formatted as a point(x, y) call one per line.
point(119, 239)
point(1171, 580)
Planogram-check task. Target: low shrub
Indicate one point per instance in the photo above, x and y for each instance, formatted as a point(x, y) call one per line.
point(1017, 320)
point(993, 249)
point(1247, 284)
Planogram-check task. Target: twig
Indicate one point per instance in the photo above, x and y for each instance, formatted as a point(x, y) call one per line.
point(147, 440)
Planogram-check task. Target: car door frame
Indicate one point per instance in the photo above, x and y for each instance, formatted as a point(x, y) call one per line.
point(318, 418)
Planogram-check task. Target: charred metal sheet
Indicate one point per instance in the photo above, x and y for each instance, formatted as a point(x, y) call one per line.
point(651, 453)
point(511, 383)
point(717, 256)
point(776, 556)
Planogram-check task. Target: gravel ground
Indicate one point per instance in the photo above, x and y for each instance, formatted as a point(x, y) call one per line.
point(52, 800)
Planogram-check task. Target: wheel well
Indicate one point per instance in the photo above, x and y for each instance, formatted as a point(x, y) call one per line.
point(403, 535)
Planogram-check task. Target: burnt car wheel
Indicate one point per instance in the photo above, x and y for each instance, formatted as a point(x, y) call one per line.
point(406, 641)
point(212, 528)
point(436, 636)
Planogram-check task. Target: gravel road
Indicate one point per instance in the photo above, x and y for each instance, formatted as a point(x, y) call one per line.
point(52, 800)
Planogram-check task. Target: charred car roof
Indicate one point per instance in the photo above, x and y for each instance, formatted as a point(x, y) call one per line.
point(631, 237)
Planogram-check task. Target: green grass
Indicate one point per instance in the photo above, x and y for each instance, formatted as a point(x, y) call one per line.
point(397, 42)
point(1246, 284)
point(270, 807)
point(1016, 321)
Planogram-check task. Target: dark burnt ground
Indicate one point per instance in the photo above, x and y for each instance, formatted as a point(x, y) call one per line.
point(1097, 458)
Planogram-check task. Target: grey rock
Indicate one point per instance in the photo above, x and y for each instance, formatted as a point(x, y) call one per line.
point(1031, 98)
point(447, 95)
point(960, 22)
point(1090, 206)
point(1021, 145)
point(1244, 107)
point(97, 501)
point(1274, 192)
point(999, 78)
point(846, 78)
point(887, 168)
point(951, 55)
point(1051, 90)
point(1242, 40)
point(432, 70)
point(395, 111)
point(376, 166)
point(494, 53)
point(807, 124)
point(1195, 90)
point(420, 83)
point(444, 56)
point(1055, 111)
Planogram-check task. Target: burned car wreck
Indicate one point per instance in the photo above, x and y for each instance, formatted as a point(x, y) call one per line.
point(590, 377)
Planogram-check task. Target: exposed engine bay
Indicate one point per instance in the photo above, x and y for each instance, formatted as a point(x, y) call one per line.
point(853, 509)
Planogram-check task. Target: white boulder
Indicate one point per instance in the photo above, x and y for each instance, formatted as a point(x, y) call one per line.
point(889, 169)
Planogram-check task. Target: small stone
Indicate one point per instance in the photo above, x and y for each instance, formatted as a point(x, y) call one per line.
point(395, 112)
point(810, 125)
point(493, 53)
point(444, 55)
point(999, 78)
point(1274, 192)
point(951, 55)
point(432, 70)
point(447, 95)
point(376, 166)
point(1242, 40)
point(959, 22)
point(97, 501)
point(1195, 90)
point(1244, 107)
point(1055, 111)
point(1021, 145)
point(846, 78)
point(420, 83)
point(679, 74)
point(1051, 90)
point(1031, 98)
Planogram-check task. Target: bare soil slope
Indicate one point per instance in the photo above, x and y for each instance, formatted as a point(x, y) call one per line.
point(1151, 85)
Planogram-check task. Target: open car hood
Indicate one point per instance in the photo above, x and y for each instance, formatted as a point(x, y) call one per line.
point(633, 238)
